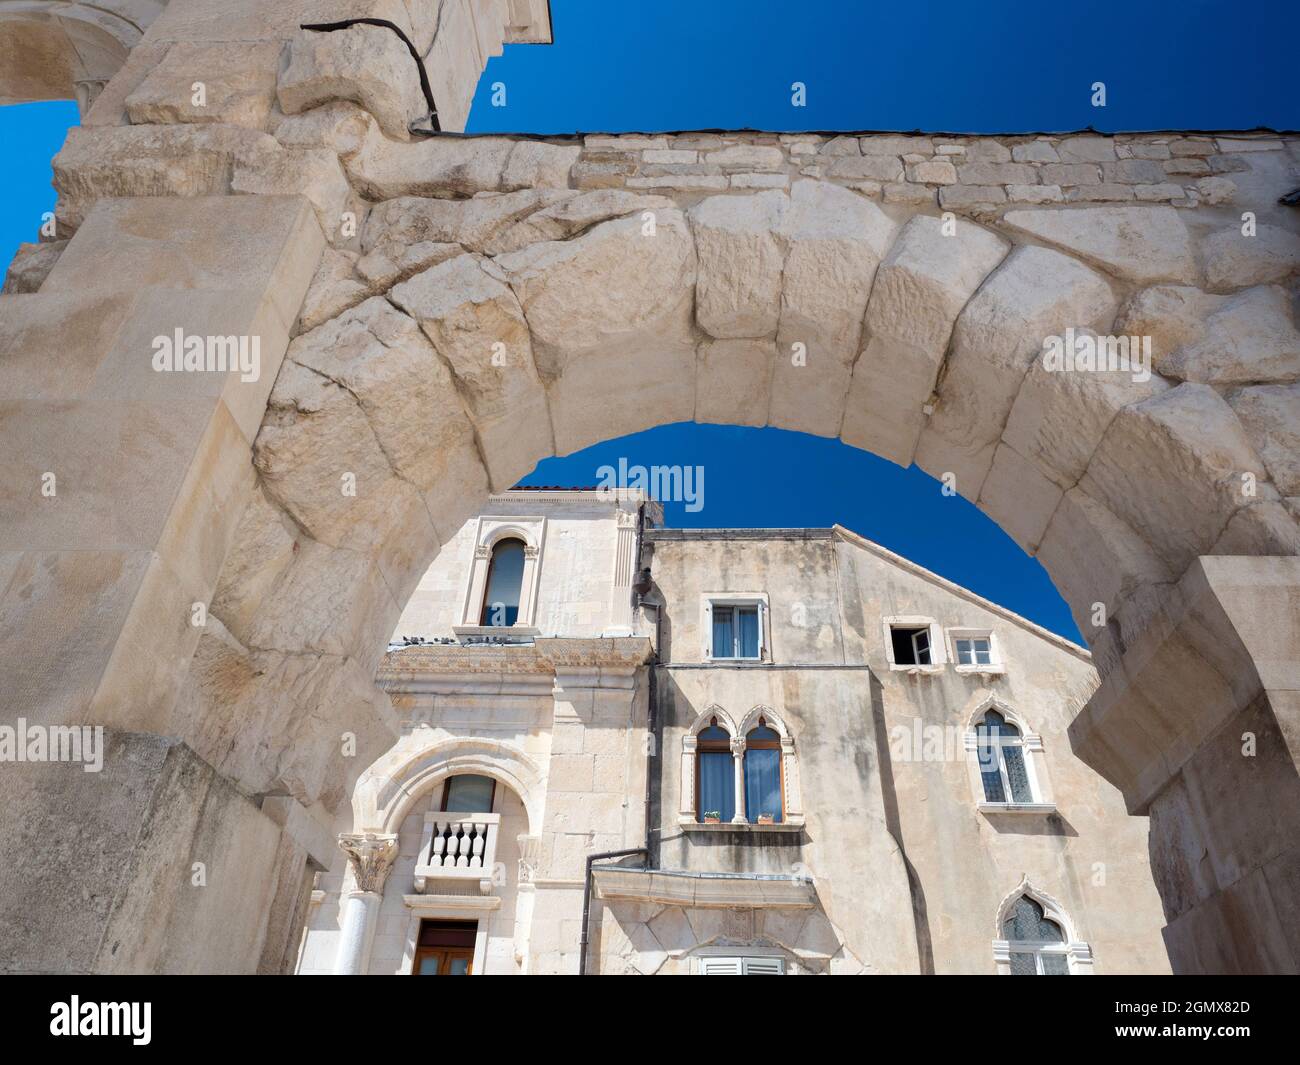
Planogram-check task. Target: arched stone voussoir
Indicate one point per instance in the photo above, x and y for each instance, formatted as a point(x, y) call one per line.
point(836, 240)
point(920, 289)
point(741, 259)
point(474, 321)
point(364, 418)
point(610, 317)
point(1036, 293)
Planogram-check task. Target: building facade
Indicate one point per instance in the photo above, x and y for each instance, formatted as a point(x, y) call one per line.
point(631, 749)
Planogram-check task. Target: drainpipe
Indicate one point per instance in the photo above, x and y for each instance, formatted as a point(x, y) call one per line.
point(586, 897)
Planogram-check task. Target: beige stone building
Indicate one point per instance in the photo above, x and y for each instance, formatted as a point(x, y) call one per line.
point(822, 758)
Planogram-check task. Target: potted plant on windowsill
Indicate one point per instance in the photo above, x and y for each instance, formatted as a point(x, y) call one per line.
point(712, 817)
point(766, 819)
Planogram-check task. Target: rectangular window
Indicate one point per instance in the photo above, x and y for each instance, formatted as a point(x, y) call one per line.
point(717, 796)
point(911, 645)
point(974, 650)
point(742, 966)
point(763, 784)
point(736, 632)
point(445, 948)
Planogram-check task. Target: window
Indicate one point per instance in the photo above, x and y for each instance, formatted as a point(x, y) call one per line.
point(504, 582)
point(1001, 757)
point(736, 631)
point(975, 651)
point(911, 646)
point(763, 799)
point(445, 948)
point(1035, 944)
point(468, 794)
point(741, 966)
point(715, 781)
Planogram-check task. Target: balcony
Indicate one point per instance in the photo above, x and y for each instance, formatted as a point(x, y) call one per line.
point(457, 851)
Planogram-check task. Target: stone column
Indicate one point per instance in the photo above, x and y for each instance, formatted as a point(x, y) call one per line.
point(738, 779)
point(1199, 726)
point(370, 858)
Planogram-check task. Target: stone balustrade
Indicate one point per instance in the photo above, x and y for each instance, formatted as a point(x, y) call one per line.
point(457, 847)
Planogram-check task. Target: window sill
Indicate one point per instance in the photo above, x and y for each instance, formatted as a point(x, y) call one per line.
point(1017, 807)
point(987, 671)
point(506, 631)
point(934, 667)
point(710, 661)
point(689, 824)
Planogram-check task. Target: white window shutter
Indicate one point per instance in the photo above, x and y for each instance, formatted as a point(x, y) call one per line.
point(764, 966)
point(720, 967)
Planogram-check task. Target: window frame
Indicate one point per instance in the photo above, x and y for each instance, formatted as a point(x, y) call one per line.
point(1077, 953)
point(995, 665)
point(446, 793)
point(763, 745)
point(491, 530)
point(938, 657)
point(1032, 753)
point(757, 600)
point(712, 747)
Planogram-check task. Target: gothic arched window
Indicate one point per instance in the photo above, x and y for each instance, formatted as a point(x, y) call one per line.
point(715, 775)
point(1036, 944)
point(504, 582)
point(764, 797)
point(1000, 752)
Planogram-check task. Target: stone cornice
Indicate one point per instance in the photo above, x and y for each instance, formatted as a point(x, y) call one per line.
point(543, 656)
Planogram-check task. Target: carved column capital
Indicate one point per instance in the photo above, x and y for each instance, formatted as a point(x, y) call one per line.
point(371, 856)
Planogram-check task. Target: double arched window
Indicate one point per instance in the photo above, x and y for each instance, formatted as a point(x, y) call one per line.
point(739, 775)
point(505, 579)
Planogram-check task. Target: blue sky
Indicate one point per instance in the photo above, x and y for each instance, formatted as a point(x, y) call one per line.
point(943, 65)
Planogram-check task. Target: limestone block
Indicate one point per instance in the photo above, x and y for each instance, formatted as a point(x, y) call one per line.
point(537, 165)
point(384, 169)
point(1173, 316)
point(173, 160)
point(1263, 527)
point(476, 324)
point(368, 65)
point(920, 288)
point(1034, 294)
point(1094, 557)
point(673, 931)
point(270, 170)
point(1019, 497)
point(734, 381)
point(454, 63)
point(52, 345)
point(1059, 418)
point(836, 240)
point(609, 313)
point(872, 167)
point(933, 172)
point(570, 214)
point(235, 82)
point(474, 224)
point(1233, 260)
point(738, 289)
point(393, 261)
point(1180, 498)
point(262, 549)
point(340, 126)
point(333, 289)
point(1270, 414)
point(1248, 337)
point(31, 265)
point(1140, 244)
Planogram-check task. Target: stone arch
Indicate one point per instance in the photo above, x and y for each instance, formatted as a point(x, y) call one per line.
point(711, 711)
point(750, 721)
point(56, 50)
point(387, 791)
point(1052, 909)
point(988, 701)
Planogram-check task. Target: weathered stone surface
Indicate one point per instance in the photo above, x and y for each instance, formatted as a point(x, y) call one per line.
point(270, 170)
point(1059, 417)
point(616, 296)
point(1018, 497)
point(738, 289)
point(536, 165)
point(1173, 316)
point(393, 261)
point(174, 160)
point(836, 240)
point(475, 322)
point(1261, 527)
point(1233, 260)
point(734, 381)
point(920, 288)
point(1141, 244)
point(237, 79)
point(1192, 477)
point(31, 264)
point(1036, 293)
point(1270, 414)
point(570, 214)
point(368, 65)
point(334, 289)
point(384, 169)
point(1248, 337)
point(341, 126)
point(475, 224)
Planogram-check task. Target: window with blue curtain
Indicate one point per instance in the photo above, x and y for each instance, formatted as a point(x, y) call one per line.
point(736, 632)
point(715, 775)
point(763, 775)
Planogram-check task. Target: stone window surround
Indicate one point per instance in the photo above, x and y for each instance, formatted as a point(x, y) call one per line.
point(793, 817)
point(759, 599)
point(492, 529)
point(1031, 744)
point(938, 647)
point(449, 908)
point(1078, 954)
point(996, 665)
